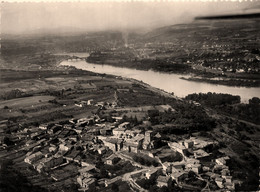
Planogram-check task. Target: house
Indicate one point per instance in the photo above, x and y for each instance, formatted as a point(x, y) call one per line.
point(112, 159)
point(90, 102)
point(123, 90)
point(81, 104)
point(225, 172)
point(151, 173)
point(158, 135)
point(65, 147)
point(73, 138)
point(220, 167)
point(117, 118)
point(86, 183)
point(44, 126)
point(167, 167)
point(86, 162)
point(194, 167)
point(175, 175)
point(112, 143)
point(200, 143)
point(148, 139)
point(79, 130)
point(85, 121)
point(221, 161)
point(200, 154)
point(178, 165)
point(192, 161)
point(85, 170)
point(53, 149)
point(163, 181)
point(177, 147)
point(100, 104)
point(219, 182)
point(228, 179)
point(106, 131)
point(129, 134)
point(94, 131)
point(54, 129)
point(131, 146)
point(72, 155)
point(124, 125)
point(230, 186)
point(73, 121)
point(101, 182)
point(3, 122)
point(119, 132)
point(188, 143)
point(34, 157)
point(49, 163)
point(111, 181)
point(67, 126)
point(101, 150)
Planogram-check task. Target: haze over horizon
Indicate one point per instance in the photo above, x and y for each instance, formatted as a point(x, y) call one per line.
point(22, 18)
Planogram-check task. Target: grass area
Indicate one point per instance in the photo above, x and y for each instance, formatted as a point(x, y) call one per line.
point(25, 102)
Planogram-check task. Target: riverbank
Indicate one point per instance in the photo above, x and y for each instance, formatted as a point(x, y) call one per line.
point(228, 82)
point(170, 83)
point(232, 80)
point(180, 69)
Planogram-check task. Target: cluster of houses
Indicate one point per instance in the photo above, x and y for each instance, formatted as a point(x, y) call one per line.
point(85, 179)
point(52, 146)
point(224, 179)
point(130, 140)
point(194, 154)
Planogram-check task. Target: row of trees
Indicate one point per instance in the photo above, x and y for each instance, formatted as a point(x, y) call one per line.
point(213, 99)
point(15, 93)
point(145, 161)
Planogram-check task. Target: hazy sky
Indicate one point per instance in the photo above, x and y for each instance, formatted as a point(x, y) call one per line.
point(27, 17)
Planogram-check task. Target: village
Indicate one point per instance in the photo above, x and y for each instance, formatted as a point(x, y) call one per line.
point(87, 151)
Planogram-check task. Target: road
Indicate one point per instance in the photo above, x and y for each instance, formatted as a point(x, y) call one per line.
point(125, 157)
point(127, 177)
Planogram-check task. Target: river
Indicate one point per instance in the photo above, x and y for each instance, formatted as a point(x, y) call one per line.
point(167, 82)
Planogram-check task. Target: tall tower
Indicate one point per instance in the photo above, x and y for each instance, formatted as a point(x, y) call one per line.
point(148, 136)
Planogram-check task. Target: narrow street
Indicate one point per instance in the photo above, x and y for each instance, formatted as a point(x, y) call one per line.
point(127, 177)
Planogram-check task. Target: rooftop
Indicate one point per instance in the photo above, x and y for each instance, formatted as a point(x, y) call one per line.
point(163, 179)
point(86, 169)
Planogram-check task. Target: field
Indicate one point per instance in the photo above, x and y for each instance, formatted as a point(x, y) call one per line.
point(25, 102)
point(51, 96)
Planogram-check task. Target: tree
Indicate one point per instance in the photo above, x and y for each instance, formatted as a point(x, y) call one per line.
point(254, 101)
point(103, 172)
point(7, 141)
point(115, 187)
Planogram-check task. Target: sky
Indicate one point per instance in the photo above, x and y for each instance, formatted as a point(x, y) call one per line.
point(19, 18)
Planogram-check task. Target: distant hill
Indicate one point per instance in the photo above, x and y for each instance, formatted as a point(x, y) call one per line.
point(202, 28)
point(230, 16)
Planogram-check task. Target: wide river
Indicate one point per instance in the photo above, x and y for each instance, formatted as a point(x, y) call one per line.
point(167, 82)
